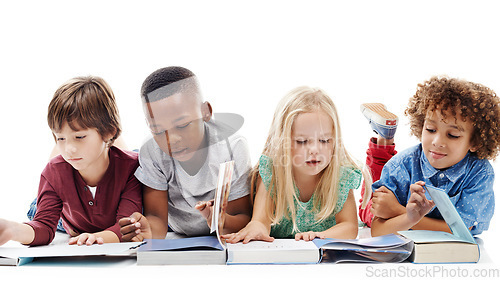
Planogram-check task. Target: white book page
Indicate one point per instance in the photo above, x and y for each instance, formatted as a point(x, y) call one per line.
point(67, 250)
point(277, 244)
point(221, 196)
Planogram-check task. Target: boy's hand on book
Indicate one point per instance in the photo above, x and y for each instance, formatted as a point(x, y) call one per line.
point(86, 239)
point(206, 210)
point(135, 228)
point(254, 230)
point(309, 236)
point(385, 205)
point(418, 205)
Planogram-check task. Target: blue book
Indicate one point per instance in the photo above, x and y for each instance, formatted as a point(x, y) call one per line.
point(191, 250)
point(387, 248)
point(443, 247)
point(194, 250)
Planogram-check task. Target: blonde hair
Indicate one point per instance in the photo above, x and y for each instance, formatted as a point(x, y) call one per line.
point(278, 147)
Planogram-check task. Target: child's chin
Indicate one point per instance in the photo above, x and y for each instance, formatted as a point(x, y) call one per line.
point(183, 157)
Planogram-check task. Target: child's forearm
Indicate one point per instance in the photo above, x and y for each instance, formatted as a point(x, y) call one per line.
point(234, 223)
point(401, 223)
point(393, 225)
point(343, 230)
point(159, 228)
point(432, 224)
point(21, 232)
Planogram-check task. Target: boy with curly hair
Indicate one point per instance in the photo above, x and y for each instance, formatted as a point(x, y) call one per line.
point(458, 124)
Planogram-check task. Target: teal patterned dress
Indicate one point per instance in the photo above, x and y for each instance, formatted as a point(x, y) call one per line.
point(350, 178)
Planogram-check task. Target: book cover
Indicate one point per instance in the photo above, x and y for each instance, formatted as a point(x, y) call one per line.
point(280, 251)
point(25, 254)
point(442, 247)
point(194, 250)
point(387, 248)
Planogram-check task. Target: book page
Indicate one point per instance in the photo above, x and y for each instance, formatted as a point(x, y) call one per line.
point(68, 250)
point(450, 214)
point(221, 198)
point(384, 241)
point(277, 244)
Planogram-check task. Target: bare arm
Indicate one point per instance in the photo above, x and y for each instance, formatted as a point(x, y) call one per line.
point(15, 231)
point(414, 217)
point(156, 211)
point(238, 214)
point(345, 228)
point(154, 222)
point(259, 226)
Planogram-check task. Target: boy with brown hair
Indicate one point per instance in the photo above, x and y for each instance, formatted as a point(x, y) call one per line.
point(80, 185)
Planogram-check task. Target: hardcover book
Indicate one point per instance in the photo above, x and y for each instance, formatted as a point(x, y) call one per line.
point(442, 247)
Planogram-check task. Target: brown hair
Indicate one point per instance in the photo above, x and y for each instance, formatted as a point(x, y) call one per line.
point(473, 102)
point(87, 102)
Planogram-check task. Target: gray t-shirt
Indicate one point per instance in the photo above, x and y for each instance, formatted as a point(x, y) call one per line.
point(159, 171)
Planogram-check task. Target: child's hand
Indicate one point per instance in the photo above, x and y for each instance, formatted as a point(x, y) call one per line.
point(206, 210)
point(87, 239)
point(418, 206)
point(385, 205)
point(254, 230)
point(5, 231)
point(135, 228)
point(309, 236)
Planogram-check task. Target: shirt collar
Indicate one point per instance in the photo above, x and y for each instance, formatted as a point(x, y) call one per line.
point(452, 173)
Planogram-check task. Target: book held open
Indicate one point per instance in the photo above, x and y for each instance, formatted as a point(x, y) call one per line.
point(194, 250)
point(442, 247)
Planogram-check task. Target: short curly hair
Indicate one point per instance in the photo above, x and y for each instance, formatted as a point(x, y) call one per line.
point(474, 102)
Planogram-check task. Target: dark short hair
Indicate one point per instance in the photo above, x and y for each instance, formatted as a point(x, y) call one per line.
point(87, 102)
point(178, 79)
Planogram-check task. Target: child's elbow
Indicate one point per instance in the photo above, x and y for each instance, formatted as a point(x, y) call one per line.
point(351, 232)
point(377, 228)
point(354, 233)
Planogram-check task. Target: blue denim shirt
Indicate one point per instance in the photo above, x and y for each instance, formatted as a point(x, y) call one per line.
point(469, 183)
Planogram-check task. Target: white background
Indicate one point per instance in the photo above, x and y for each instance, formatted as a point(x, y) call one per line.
point(247, 55)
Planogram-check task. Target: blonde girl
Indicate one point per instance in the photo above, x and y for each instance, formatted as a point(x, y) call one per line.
point(305, 176)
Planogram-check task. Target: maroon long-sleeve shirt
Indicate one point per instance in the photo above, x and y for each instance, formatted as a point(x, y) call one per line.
point(63, 194)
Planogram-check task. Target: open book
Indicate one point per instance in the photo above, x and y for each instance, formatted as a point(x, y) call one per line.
point(194, 250)
point(443, 247)
point(24, 254)
point(387, 248)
